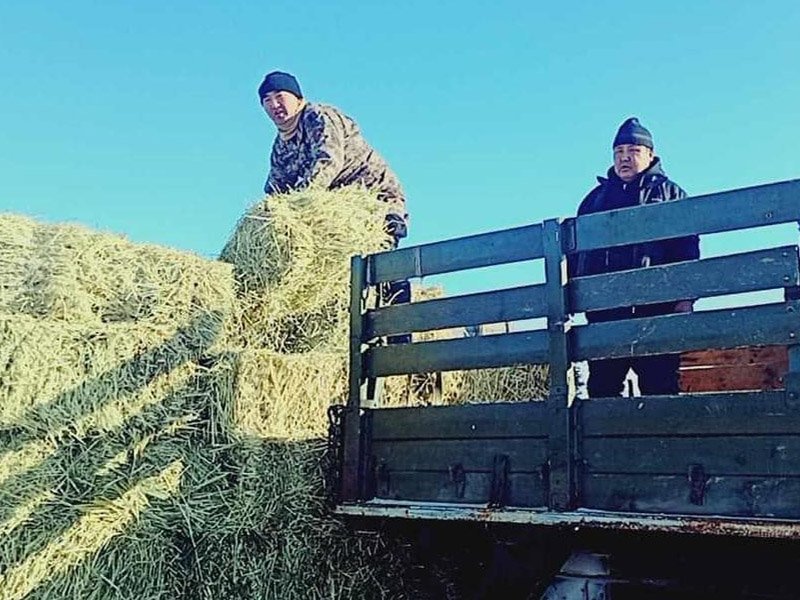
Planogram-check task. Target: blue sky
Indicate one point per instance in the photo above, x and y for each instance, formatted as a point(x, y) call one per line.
point(142, 118)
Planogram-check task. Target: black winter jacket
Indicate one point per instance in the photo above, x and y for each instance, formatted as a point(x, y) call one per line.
point(650, 187)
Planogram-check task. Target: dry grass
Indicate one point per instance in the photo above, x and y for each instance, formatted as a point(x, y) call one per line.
point(291, 258)
point(71, 273)
point(162, 417)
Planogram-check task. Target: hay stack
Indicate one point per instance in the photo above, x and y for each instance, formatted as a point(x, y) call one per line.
point(70, 273)
point(291, 257)
point(162, 418)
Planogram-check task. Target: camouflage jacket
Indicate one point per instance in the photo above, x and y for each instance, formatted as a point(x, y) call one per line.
point(328, 151)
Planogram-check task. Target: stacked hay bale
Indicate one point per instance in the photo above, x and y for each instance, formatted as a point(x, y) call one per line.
point(100, 341)
point(162, 417)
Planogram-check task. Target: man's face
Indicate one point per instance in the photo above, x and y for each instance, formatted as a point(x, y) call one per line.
point(630, 160)
point(281, 106)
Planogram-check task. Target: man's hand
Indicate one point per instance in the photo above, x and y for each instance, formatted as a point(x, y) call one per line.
point(396, 226)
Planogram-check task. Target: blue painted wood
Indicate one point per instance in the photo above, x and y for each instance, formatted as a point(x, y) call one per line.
point(528, 347)
point(739, 273)
point(483, 250)
point(514, 304)
point(725, 211)
point(771, 324)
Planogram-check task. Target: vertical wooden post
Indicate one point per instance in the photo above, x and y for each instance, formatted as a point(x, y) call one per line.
point(792, 294)
point(351, 424)
point(560, 446)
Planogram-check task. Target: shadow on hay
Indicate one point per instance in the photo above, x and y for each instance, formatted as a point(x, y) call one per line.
point(73, 472)
point(188, 343)
point(188, 424)
point(68, 470)
point(219, 544)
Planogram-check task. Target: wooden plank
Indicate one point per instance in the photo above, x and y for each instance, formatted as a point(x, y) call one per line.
point(775, 356)
point(525, 489)
point(724, 211)
point(732, 413)
point(739, 273)
point(561, 433)
point(727, 496)
point(482, 250)
point(351, 486)
point(529, 347)
point(357, 282)
point(525, 454)
point(731, 378)
point(728, 328)
point(471, 421)
point(719, 455)
point(513, 304)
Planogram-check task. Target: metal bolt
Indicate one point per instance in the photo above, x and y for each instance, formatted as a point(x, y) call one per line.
point(786, 278)
point(791, 334)
point(768, 214)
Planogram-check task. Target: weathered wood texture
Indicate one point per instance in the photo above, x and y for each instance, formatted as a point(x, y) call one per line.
point(473, 421)
point(755, 413)
point(722, 454)
point(530, 347)
point(725, 211)
point(524, 489)
point(526, 302)
point(483, 250)
point(770, 324)
point(449, 453)
point(734, 496)
point(739, 273)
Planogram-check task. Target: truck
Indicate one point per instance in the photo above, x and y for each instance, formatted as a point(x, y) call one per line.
point(691, 495)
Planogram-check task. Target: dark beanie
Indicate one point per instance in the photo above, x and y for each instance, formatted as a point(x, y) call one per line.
point(632, 132)
point(277, 81)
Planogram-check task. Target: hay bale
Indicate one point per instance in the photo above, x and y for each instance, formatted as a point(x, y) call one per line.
point(291, 257)
point(68, 552)
point(146, 454)
point(286, 397)
point(70, 273)
point(60, 377)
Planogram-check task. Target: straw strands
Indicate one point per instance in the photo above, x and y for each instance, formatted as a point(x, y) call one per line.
point(162, 417)
point(70, 273)
point(291, 257)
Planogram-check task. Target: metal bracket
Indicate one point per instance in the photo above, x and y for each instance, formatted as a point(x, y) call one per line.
point(458, 478)
point(382, 479)
point(498, 493)
point(569, 239)
point(697, 484)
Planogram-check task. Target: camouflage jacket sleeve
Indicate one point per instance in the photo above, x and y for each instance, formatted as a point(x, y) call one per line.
point(275, 184)
point(326, 138)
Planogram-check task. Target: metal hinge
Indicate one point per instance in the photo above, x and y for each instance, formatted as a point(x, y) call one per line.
point(382, 479)
point(458, 478)
point(498, 493)
point(569, 241)
point(697, 484)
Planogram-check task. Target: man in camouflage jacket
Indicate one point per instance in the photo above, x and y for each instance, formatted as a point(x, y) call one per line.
point(636, 178)
point(319, 146)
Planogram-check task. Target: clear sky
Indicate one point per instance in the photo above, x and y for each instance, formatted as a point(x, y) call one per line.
point(142, 117)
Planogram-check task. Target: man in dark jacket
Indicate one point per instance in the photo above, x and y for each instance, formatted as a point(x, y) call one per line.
point(636, 178)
